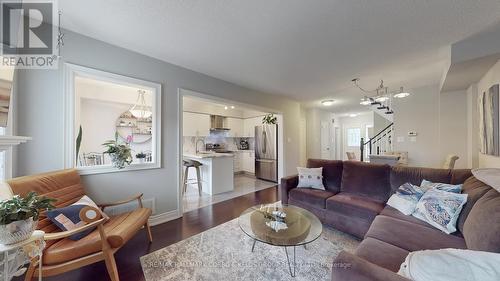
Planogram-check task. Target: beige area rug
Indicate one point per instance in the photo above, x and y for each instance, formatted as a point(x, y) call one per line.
point(224, 253)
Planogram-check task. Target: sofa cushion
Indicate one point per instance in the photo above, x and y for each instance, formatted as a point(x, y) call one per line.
point(332, 172)
point(354, 205)
point(389, 211)
point(314, 197)
point(482, 225)
point(381, 253)
point(415, 175)
point(119, 230)
point(364, 179)
point(475, 189)
point(410, 236)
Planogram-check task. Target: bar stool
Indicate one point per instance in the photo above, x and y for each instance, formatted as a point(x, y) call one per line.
point(192, 164)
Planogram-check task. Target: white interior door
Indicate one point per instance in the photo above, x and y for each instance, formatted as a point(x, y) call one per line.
point(325, 140)
point(338, 143)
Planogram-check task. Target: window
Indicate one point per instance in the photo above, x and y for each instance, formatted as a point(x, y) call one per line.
point(104, 107)
point(353, 136)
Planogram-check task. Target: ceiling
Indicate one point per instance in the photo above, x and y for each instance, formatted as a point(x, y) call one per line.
point(306, 50)
point(216, 107)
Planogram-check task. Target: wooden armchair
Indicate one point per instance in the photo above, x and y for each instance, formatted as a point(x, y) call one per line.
point(62, 254)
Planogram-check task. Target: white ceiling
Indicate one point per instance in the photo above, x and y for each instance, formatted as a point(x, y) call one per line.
point(307, 50)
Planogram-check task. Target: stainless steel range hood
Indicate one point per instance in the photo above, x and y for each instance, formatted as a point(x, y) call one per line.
point(218, 123)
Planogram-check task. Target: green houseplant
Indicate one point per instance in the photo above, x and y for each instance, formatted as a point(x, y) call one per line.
point(269, 119)
point(120, 153)
point(19, 216)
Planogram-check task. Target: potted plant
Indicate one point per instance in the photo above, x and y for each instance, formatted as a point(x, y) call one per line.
point(120, 153)
point(269, 119)
point(141, 156)
point(19, 216)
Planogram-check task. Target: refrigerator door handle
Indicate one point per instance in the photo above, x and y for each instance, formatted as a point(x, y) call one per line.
point(264, 138)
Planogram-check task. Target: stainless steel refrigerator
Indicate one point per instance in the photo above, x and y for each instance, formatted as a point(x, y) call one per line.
point(266, 152)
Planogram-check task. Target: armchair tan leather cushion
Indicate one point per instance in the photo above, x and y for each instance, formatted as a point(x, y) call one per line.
point(118, 228)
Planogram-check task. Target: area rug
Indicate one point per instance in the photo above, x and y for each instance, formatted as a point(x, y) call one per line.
point(224, 253)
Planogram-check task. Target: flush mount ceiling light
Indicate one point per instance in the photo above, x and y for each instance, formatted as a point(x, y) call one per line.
point(225, 107)
point(232, 106)
point(401, 94)
point(140, 109)
point(327, 102)
point(353, 115)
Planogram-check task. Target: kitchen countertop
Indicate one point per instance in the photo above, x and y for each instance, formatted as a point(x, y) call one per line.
point(207, 155)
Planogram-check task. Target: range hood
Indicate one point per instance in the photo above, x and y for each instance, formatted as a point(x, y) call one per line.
point(217, 123)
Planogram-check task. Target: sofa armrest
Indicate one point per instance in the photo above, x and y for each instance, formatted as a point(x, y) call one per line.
point(68, 233)
point(287, 183)
point(349, 267)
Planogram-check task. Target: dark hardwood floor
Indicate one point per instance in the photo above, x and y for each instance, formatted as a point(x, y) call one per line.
point(190, 224)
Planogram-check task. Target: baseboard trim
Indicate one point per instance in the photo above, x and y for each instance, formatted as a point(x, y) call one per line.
point(164, 217)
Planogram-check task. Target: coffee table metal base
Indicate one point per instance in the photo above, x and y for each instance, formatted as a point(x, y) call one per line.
point(292, 273)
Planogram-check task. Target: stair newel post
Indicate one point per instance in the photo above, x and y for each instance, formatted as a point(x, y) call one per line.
point(362, 147)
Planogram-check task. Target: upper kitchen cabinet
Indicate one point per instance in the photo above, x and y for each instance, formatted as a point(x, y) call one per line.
point(249, 126)
point(236, 126)
point(196, 124)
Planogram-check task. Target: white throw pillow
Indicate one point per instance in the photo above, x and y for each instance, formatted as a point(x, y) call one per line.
point(311, 178)
point(440, 209)
point(489, 176)
point(455, 188)
point(406, 198)
point(451, 264)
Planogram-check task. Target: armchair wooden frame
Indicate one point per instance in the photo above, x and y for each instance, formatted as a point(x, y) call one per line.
point(107, 252)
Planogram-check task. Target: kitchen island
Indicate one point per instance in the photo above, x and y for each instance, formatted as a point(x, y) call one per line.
point(217, 172)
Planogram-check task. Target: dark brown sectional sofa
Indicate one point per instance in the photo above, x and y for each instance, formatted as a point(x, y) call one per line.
point(354, 202)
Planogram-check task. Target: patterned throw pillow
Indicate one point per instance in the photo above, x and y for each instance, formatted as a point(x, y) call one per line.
point(406, 198)
point(455, 188)
point(68, 218)
point(311, 178)
point(440, 209)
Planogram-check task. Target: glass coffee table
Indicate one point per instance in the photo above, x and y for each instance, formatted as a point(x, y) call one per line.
point(281, 225)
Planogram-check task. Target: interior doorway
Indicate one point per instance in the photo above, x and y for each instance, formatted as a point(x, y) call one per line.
point(220, 149)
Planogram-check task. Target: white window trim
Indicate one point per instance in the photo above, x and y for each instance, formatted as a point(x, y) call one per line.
point(73, 70)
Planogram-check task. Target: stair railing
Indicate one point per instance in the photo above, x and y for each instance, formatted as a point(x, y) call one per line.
point(380, 143)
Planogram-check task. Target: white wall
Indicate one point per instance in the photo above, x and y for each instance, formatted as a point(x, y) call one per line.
point(41, 110)
point(472, 127)
point(453, 127)
point(419, 113)
point(440, 121)
point(314, 117)
point(491, 78)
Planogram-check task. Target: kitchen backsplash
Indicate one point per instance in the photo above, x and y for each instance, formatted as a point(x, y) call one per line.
point(189, 143)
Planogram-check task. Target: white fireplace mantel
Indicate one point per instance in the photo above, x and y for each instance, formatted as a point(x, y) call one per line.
point(7, 143)
point(10, 141)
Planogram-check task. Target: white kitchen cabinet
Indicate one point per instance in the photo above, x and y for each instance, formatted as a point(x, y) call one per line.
point(238, 162)
point(195, 124)
point(248, 160)
point(249, 126)
point(236, 126)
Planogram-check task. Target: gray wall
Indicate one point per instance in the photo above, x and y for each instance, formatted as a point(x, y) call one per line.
point(40, 115)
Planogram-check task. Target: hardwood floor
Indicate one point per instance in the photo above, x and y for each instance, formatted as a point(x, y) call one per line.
point(190, 224)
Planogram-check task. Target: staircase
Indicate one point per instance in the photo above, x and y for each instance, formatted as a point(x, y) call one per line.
point(378, 144)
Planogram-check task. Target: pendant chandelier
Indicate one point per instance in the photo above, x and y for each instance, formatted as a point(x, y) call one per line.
point(140, 109)
point(380, 97)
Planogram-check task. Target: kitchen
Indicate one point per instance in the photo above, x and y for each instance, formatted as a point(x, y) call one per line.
point(219, 151)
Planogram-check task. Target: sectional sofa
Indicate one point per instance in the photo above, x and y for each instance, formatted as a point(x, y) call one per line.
point(354, 202)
